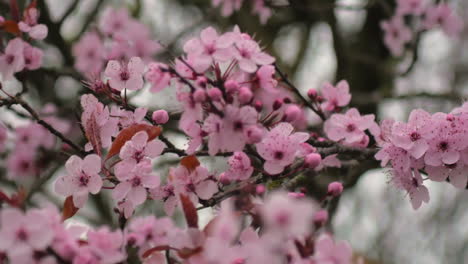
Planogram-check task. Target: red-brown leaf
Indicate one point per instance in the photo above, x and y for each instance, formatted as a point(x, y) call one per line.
point(150, 251)
point(186, 253)
point(190, 212)
point(11, 26)
point(190, 162)
point(127, 134)
point(69, 208)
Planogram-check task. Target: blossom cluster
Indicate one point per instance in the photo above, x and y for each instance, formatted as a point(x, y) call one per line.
point(433, 143)
point(292, 230)
point(118, 36)
point(412, 17)
point(259, 7)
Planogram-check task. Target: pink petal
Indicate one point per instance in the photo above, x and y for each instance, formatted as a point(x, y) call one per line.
point(91, 164)
point(154, 148)
point(137, 195)
point(121, 190)
point(206, 189)
point(39, 32)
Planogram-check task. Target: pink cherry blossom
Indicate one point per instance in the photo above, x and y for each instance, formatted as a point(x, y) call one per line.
point(348, 127)
point(22, 234)
point(410, 7)
point(195, 184)
point(413, 136)
point(209, 48)
point(12, 60)
point(32, 57)
point(456, 173)
point(134, 180)
point(248, 54)
point(30, 25)
point(82, 178)
point(138, 148)
point(89, 53)
point(280, 147)
point(397, 35)
point(158, 78)
point(442, 15)
point(106, 245)
point(128, 118)
point(288, 215)
point(114, 21)
point(125, 76)
point(327, 251)
point(228, 6)
point(335, 97)
point(240, 167)
point(263, 11)
point(265, 75)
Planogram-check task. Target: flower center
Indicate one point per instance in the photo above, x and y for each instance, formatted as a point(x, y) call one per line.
point(84, 180)
point(443, 145)
point(124, 75)
point(279, 155)
point(415, 136)
point(21, 235)
point(10, 59)
point(350, 128)
point(136, 181)
point(238, 126)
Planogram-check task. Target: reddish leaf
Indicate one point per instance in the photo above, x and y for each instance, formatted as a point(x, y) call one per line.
point(69, 208)
point(190, 212)
point(150, 251)
point(127, 134)
point(93, 134)
point(190, 162)
point(11, 26)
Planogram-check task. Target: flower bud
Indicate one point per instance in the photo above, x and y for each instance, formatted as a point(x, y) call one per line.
point(231, 86)
point(199, 96)
point(292, 113)
point(277, 104)
point(320, 218)
point(215, 94)
point(201, 81)
point(287, 100)
point(254, 134)
point(258, 105)
point(260, 189)
point(335, 189)
point(312, 93)
point(312, 160)
point(160, 117)
point(245, 95)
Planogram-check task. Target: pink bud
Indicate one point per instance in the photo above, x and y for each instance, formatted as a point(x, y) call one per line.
point(320, 217)
point(201, 81)
point(292, 113)
point(319, 99)
point(258, 105)
point(223, 179)
point(215, 94)
point(335, 189)
point(277, 104)
point(231, 86)
point(245, 95)
point(160, 117)
point(312, 160)
point(260, 189)
point(312, 93)
point(254, 134)
point(199, 96)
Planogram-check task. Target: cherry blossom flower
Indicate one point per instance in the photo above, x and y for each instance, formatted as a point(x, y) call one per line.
point(288, 215)
point(335, 97)
point(134, 180)
point(22, 234)
point(89, 53)
point(444, 16)
point(265, 75)
point(12, 60)
point(455, 172)
point(138, 148)
point(228, 6)
point(82, 178)
point(209, 48)
point(397, 35)
point(30, 25)
point(32, 57)
point(106, 245)
point(125, 76)
point(129, 118)
point(158, 78)
point(327, 251)
point(249, 55)
point(114, 21)
point(410, 7)
point(197, 183)
point(348, 127)
point(414, 135)
point(240, 167)
point(280, 146)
